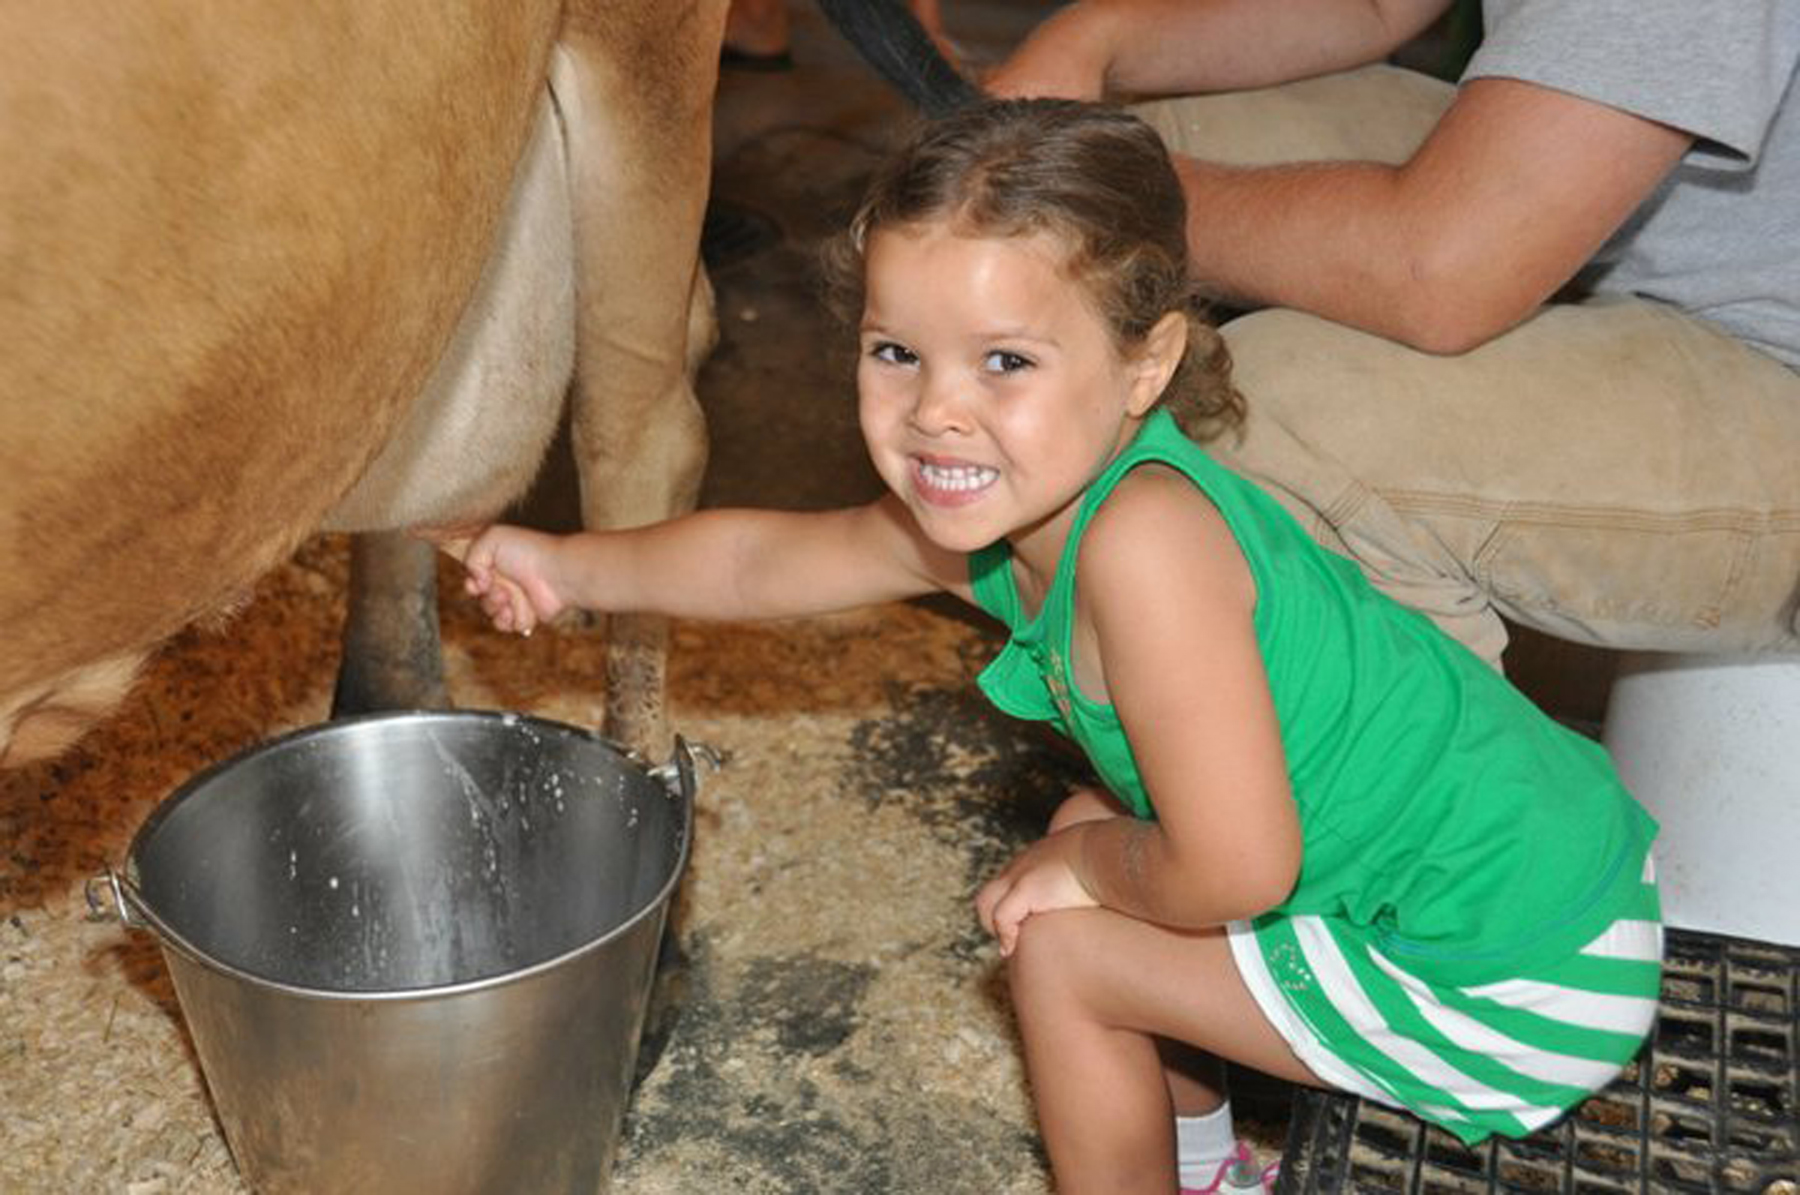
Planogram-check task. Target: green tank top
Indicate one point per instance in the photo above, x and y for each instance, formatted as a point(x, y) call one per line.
point(1475, 836)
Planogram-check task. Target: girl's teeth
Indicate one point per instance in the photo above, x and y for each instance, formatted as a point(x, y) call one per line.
point(958, 477)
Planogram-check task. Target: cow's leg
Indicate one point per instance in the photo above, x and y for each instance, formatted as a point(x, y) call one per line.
point(392, 657)
point(637, 644)
point(636, 83)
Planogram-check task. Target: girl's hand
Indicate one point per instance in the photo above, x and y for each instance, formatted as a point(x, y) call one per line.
point(516, 575)
point(1041, 879)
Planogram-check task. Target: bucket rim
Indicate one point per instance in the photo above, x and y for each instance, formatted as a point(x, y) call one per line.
point(681, 789)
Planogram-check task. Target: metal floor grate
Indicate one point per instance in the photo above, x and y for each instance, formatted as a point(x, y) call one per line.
point(1712, 1104)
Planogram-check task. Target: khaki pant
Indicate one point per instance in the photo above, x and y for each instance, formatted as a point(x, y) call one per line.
point(1612, 472)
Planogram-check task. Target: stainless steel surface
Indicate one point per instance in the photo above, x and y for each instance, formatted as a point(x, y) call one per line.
point(414, 950)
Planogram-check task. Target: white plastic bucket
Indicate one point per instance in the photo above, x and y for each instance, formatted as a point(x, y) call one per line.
point(1711, 746)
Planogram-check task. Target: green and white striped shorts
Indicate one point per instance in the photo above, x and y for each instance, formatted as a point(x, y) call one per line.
point(1506, 1057)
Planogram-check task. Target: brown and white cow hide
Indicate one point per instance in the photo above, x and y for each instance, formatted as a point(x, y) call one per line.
point(244, 247)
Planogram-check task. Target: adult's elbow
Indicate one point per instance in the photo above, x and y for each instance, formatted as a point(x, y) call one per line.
point(1448, 307)
point(1444, 334)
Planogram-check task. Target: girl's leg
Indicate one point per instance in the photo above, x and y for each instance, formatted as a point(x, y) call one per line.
point(1196, 1079)
point(1094, 991)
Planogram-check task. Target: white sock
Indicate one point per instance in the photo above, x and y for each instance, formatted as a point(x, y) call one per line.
point(1202, 1143)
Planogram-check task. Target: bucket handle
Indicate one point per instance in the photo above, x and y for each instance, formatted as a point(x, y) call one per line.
point(112, 895)
point(678, 775)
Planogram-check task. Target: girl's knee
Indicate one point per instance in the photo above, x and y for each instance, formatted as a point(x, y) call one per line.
point(1038, 946)
point(1049, 955)
point(1085, 805)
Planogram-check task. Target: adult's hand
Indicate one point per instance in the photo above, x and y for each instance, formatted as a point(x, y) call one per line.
point(1066, 57)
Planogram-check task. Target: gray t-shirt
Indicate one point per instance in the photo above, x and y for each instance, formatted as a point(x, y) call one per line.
point(1721, 236)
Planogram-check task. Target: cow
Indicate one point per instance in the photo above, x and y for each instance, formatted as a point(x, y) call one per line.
point(271, 268)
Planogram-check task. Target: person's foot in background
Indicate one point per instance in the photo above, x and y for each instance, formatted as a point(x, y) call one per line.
point(931, 15)
point(756, 35)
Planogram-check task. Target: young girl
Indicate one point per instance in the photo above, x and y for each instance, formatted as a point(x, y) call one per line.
point(1332, 844)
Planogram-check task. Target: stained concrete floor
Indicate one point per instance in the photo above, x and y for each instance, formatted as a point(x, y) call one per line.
point(832, 1019)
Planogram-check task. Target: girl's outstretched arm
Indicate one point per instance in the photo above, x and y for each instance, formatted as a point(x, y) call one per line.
point(723, 564)
point(1171, 604)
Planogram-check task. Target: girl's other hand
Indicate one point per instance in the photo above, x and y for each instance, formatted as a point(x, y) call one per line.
point(514, 573)
point(1041, 879)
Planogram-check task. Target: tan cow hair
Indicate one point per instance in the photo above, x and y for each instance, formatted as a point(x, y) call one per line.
point(236, 238)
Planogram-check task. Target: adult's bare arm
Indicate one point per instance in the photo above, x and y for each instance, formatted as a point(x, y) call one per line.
point(1513, 191)
point(1167, 47)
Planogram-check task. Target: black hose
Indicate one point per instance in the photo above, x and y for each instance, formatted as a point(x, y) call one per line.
point(887, 34)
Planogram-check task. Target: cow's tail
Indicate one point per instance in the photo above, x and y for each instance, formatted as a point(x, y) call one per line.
point(887, 34)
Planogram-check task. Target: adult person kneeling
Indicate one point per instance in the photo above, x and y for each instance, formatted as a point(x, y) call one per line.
point(1526, 346)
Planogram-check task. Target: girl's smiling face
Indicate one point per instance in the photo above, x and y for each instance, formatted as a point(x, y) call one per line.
point(991, 391)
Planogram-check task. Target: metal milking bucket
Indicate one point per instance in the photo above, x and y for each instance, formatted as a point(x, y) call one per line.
point(415, 950)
